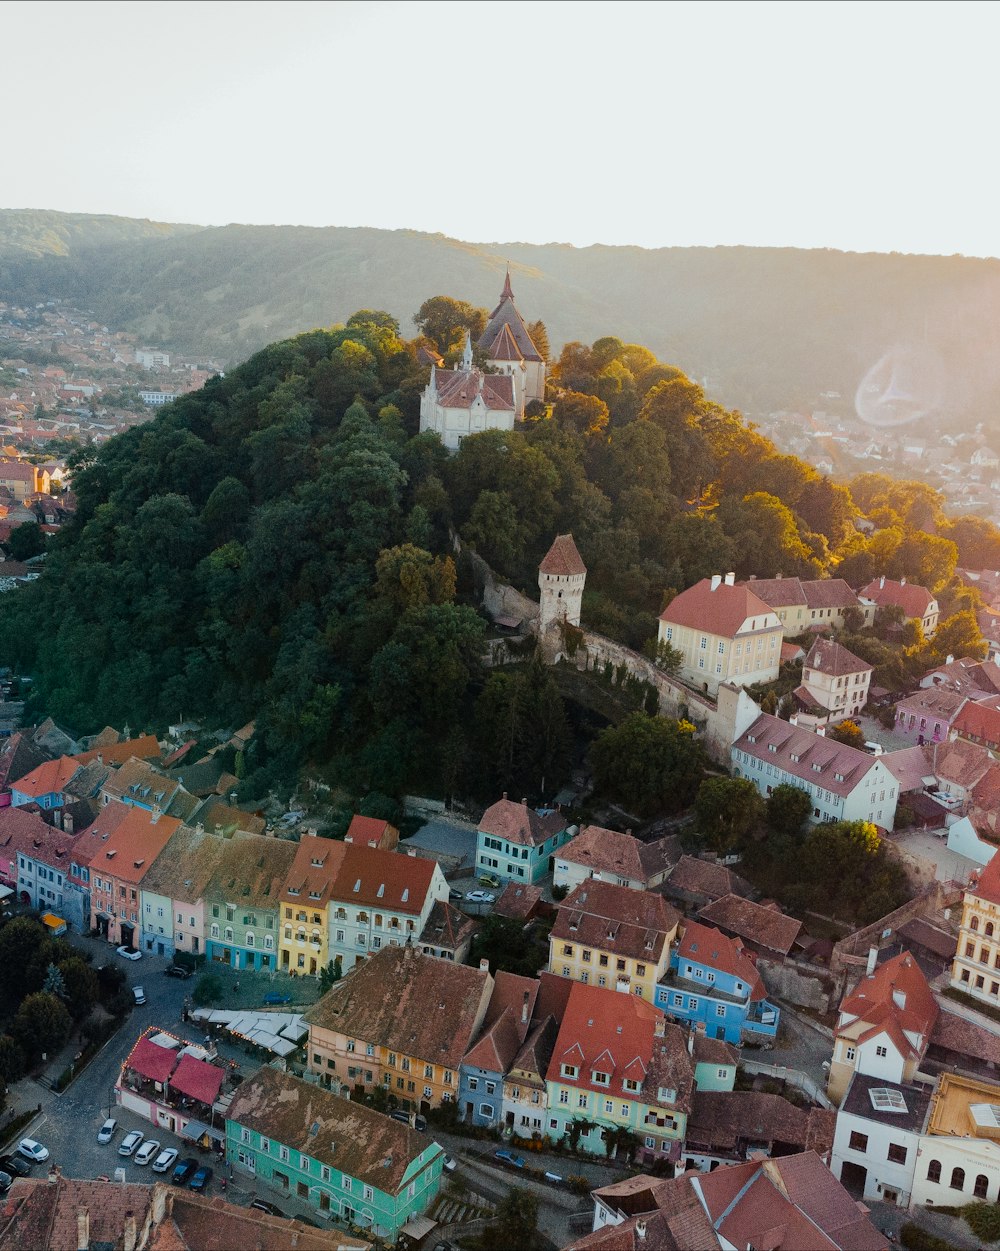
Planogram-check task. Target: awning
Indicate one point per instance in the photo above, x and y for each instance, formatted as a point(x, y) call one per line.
point(197, 1079)
point(418, 1227)
point(150, 1061)
point(282, 1047)
point(5, 892)
point(196, 1130)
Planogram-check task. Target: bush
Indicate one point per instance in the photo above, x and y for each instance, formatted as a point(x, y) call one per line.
point(207, 989)
point(984, 1220)
point(917, 1239)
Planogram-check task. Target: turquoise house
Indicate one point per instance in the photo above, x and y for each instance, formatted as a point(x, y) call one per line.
point(352, 1164)
point(517, 843)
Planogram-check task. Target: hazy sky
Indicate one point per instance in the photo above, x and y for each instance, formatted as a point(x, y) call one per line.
point(866, 126)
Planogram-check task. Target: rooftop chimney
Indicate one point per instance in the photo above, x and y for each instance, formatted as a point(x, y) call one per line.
point(872, 961)
point(716, 581)
point(83, 1229)
point(660, 1028)
point(640, 1228)
point(902, 581)
point(155, 814)
point(524, 802)
point(484, 965)
point(730, 579)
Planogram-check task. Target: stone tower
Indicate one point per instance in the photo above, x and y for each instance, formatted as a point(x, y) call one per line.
point(561, 577)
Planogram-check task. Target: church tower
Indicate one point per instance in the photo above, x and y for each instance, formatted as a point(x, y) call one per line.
point(561, 577)
point(509, 350)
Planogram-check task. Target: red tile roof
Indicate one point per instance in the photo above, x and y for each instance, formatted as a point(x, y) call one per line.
point(387, 879)
point(144, 748)
point(830, 657)
point(779, 592)
point(603, 850)
point(313, 873)
point(458, 388)
point(506, 315)
point(796, 751)
point(151, 1061)
point(829, 593)
point(725, 611)
point(979, 721)
point(135, 841)
point(563, 558)
point(987, 884)
point(703, 945)
point(765, 927)
point(49, 778)
point(874, 1001)
point(914, 600)
point(634, 923)
point(518, 823)
point(369, 831)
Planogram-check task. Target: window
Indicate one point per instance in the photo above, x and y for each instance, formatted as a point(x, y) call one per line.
point(283, 1153)
point(934, 1170)
point(324, 1172)
point(958, 1179)
point(896, 1154)
point(849, 1053)
point(265, 1145)
point(981, 1186)
point(884, 1099)
point(486, 1110)
point(473, 1083)
point(881, 1052)
point(369, 1194)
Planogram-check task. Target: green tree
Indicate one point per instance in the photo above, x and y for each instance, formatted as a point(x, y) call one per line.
point(25, 541)
point(584, 414)
point(41, 1025)
point(19, 940)
point(54, 984)
point(11, 1060)
point(959, 636)
point(648, 764)
point(504, 942)
point(81, 985)
point(788, 808)
point(445, 321)
point(207, 989)
point(727, 811)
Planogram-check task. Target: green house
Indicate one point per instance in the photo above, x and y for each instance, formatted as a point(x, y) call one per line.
point(350, 1163)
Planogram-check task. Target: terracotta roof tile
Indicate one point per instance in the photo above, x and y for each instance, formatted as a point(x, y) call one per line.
point(829, 593)
point(875, 1000)
point(389, 879)
point(798, 751)
point(727, 611)
point(914, 600)
point(830, 657)
point(633, 923)
point(706, 877)
point(457, 388)
point(710, 947)
point(563, 558)
point(602, 850)
point(518, 823)
point(765, 927)
point(721, 1118)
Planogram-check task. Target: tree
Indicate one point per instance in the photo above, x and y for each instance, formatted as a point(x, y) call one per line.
point(848, 732)
point(54, 984)
point(505, 944)
point(727, 811)
point(11, 1060)
point(207, 989)
point(648, 764)
point(42, 1025)
point(514, 1222)
point(788, 808)
point(668, 657)
point(540, 338)
point(445, 321)
point(81, 985)
point(26, 540)
point(19, 940)
point(585, 414)
point(959, 636)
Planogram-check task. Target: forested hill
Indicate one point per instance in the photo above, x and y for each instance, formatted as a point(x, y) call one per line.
point(277, 545)
point(763, 328)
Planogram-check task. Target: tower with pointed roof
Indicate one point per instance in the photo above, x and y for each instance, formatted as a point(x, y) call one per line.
point(509, 350)
point(561, 578)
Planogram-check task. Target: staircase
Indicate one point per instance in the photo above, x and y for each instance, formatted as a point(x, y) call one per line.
point(453, 1210)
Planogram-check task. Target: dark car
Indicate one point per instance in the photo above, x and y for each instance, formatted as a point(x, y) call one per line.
point(262, 1205)
point(184, 1170)
point(178, 970)
point(15, 1165)
point(201, 1179)
point(6, 1181)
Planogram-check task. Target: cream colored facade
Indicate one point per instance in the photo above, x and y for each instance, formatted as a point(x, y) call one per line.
point(752, 655)
point(976, 967)
point(341, 1060)
point(843, 695)
point(631, 975)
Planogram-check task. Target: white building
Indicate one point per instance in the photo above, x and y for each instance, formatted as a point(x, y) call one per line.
point(460, 402)
point(509, 350)
point(877, 1140)
point(844, 784)
point(561, 578)
point(835, 684)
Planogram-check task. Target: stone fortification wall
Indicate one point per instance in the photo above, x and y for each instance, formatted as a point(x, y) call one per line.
point(852, 951)
point(801, 984)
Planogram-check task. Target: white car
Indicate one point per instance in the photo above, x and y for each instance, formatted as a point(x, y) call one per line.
point(128, 953)
point(107, 1131)
point(146, 1152)
point(164, 1160)
point(32, 1150)
point(480, 897)
point(130, 1142)
point(139, 995)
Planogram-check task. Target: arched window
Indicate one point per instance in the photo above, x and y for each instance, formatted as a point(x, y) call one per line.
point(988, 931)
point(974, 923)
point(300, 936)
point(934, 1171)
point(981, 1187)
point(958, 1179)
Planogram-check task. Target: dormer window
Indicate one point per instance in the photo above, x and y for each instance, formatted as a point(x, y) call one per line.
point(357, 886)
point(406, 894)
point(381, 890)
point(772, 747)
point(569, 1070)
point(817, 768)
point(666, 1094)
point(839, 777)
point(600, 1079)
point(795, 757)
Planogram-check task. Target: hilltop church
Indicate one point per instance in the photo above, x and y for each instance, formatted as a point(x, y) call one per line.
point(466, 400)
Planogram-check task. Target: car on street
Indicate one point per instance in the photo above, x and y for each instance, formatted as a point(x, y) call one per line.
point(184, 1170)
point(6, 1181)
point(449, 1164)
point(508, 1157)
point(480, 897)
point(178, 970)
point(201, 1178)
point(275, 996)
point(262, 1205)
point(488, 879)
point(401, 1116)
point(32, 1150)
point(107, 1131)
point(146, 1152)
point(165, 1160)
point(139, 995)
point(129, 953)
point(16, 1165)
point(130, 1142)
point(455, 893)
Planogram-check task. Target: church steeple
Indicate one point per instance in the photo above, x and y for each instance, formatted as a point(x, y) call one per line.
point(507, 293)
point(467, 354)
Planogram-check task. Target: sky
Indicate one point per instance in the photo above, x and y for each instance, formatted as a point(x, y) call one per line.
point(860, 126)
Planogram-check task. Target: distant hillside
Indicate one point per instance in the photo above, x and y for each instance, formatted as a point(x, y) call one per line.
point(764, 328)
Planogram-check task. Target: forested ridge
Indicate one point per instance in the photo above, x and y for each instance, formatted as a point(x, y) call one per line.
point(278, 545)
point(768, 328)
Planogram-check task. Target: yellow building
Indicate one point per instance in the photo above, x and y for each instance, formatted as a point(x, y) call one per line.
point(724, 633)
point(401, 1020)
point(976, 967)
point(614, 938)
point(303, 928)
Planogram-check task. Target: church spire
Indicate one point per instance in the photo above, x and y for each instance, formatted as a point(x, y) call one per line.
point(507, 293)
point(467, 354)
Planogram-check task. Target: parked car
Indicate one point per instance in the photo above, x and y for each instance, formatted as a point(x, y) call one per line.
point(184, 1170)
point(262, 1205)
point(449, 1164)
point(146, 1152)
point(129, 953)
point(480, 897)
point(129, 1143)
point(508, 1157)
point(201, 1178)
point(488, 879)
point(139, 995)
point(291, 818)
point(420, 1124)
point(107, 1131)
point(6, 1181)
point(33, 1150)
point(16, 1165)
point(164, 1160)
point(178, 970)
point(274, 996)
point(455, 893)
point(401, 1116)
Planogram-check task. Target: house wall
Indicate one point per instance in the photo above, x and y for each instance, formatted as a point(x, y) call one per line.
point(977, 1157)
point(963, 839)
point(710, 659)
point(614, 1110)
point(338, 1058)
point(303, 937)
point(524, 1103)
point(976, 967)
point(189, 926)
point(882, 1173)
point(245, 937)
point(480, 1097)
point(514, 861)
point(157, 923)
point(608, 969)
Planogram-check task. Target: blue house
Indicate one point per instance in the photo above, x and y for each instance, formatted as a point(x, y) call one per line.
point(712, 982)
point(517, 843)
point(488, 1060)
